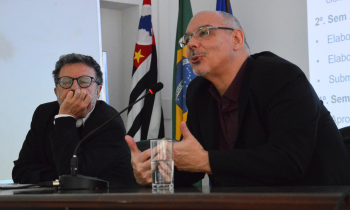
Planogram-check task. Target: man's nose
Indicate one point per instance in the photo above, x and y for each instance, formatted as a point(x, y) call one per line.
point(193, 43)
point(75, 85)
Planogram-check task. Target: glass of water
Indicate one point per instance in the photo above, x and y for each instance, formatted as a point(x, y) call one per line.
point(162, 164)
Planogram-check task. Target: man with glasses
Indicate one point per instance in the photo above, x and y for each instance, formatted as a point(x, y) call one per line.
point(252, 119)
point(58, 126)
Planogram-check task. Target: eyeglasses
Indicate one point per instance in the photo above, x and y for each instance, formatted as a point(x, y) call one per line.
point(200, 33)
point(83, 81)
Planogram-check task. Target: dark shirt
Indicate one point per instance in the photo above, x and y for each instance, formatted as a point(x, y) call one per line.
point(228, 110)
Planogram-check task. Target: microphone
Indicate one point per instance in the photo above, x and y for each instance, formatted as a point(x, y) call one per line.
point(76, 181)
point(155, 88)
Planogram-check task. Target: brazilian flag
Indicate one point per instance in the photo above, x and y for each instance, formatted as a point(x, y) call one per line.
point(183, 73)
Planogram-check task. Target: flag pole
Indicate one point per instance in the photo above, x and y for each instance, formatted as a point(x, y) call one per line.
point(228, 6)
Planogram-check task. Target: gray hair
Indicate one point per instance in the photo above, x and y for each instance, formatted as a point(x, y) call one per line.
point(77, 58)
point(232, 20)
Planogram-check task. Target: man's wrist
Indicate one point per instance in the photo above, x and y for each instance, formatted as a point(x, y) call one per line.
point(207, 168)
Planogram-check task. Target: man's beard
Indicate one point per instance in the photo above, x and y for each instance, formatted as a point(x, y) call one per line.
point(200, 74)
point(194, 66)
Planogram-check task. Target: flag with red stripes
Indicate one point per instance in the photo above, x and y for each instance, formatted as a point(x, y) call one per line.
point(145, 118)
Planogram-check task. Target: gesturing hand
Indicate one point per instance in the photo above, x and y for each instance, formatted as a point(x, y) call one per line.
point(77, 104)
point(141, 163)
point(189, 154)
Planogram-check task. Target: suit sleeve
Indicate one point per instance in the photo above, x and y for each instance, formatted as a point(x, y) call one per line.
point(32, 166)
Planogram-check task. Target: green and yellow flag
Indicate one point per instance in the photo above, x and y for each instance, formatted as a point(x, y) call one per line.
point(183, 73)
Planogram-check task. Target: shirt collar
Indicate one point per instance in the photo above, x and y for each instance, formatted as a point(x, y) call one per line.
point(233, 90)
point(82, 121)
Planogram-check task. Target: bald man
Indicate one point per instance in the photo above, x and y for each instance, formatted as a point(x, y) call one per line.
point(252, 119)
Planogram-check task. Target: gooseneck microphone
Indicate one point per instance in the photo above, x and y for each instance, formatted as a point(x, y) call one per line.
point(76, 181)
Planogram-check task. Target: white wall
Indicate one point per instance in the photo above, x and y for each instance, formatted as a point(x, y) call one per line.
point(33, 34)
point(119, 34)
point(112, 44)
point(279, 26)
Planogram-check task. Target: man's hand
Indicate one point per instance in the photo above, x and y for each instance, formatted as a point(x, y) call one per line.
point(189, 155)
point(141, 163)
point(77, 104)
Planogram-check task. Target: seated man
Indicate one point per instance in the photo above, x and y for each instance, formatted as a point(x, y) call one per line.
point(58, 126)
point(252, 119)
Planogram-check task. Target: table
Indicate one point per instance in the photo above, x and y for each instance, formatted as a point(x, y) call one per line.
point(182, 198)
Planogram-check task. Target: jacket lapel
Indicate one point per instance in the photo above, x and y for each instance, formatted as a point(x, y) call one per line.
point(98, 116)
point(243, 97)
point(208, 120)
point(208, 116)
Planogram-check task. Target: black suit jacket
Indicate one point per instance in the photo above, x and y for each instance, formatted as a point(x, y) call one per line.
point(48, 148)
point(285, 134)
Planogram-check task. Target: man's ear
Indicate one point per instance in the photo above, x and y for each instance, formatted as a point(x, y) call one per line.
point(55, 89)
point(238, 39)
point(99, 88)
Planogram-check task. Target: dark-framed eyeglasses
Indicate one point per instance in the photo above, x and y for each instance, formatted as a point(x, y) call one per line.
point(83, 81)
point(200, 33)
